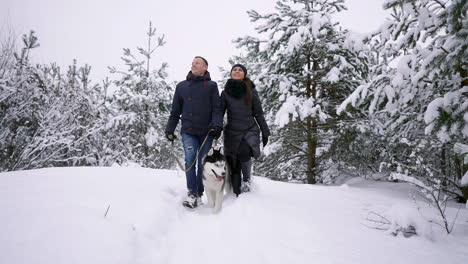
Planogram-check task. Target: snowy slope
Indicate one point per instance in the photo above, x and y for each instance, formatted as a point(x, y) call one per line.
point(57, 216)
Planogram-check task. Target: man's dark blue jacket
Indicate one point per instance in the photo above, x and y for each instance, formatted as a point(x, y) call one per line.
point(196, 101)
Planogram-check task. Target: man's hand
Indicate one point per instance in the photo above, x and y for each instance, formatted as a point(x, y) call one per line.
point(265, 141)
point(170, 136)
point(215, 132)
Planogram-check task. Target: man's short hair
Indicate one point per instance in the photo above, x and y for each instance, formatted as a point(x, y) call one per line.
point(204, 60)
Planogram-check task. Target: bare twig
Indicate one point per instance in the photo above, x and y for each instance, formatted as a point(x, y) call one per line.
point(385, 224)
point(373, 227)
point(455, 218)
point(108, 207)
point(380, 216)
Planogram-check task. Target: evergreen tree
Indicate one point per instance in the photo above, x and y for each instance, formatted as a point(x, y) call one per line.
point(18, 100)
point(47, 119)
point(139, 110)
point(306, 67)
point(420, 105)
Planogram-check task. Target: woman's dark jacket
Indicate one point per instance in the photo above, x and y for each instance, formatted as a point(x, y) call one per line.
point(243, 121)
point(197, 103)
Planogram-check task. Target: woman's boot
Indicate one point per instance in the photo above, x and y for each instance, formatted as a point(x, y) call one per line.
point(246, 168)
point(235, 166)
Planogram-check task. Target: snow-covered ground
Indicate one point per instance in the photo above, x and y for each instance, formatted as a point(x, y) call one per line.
point(57, 215)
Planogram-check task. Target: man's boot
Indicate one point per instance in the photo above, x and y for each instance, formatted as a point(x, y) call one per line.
point(191, 201)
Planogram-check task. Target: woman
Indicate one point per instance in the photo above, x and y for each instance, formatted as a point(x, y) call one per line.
point(242, 132)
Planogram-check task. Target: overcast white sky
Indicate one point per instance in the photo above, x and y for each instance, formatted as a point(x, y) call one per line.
point(95, 31)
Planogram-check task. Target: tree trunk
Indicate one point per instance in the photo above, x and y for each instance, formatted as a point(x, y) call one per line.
point(443, 165)
point(311, 128)
point(146, 118)
point(312, 148)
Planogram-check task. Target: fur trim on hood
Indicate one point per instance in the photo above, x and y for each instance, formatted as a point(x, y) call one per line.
point(238, 88)
point(235, 88)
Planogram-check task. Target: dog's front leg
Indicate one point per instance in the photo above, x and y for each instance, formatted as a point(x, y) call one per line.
point(219, 197)
point(210, 196)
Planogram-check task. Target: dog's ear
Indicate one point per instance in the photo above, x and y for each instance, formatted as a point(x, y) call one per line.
point(216, 151)
point(210, 153)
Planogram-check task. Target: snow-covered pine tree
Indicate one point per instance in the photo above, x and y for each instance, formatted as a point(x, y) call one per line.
point(48, 119)
point(17, 121)
point(139, 107)
point(84, 103)
point(421, 103)
point(307, 65)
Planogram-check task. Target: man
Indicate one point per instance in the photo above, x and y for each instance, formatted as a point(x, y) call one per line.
point(197, 103)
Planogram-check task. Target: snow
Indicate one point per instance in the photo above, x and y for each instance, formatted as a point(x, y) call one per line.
point(151, 136)
point(443, 134)
point(464, 180)
point(375, 100)
point(389, 92)
point(57, 215)
point(288, 107)
point(360, 92)
point(333, 75)
point(408, 216)
point(317, 20)
point(403, 66)
point(432, 111)
point(284, 86)
point(294, 42)
point(461, 149)
point(406, 178)
point(445, 104)
point(354, 41)
point(398, 80)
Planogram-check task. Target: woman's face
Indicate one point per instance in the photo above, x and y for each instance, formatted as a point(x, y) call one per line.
point(237, 73)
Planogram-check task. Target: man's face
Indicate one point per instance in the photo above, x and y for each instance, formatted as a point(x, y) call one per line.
point(199, 67)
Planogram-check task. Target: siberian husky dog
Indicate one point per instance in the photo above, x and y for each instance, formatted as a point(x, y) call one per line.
point(214, 178)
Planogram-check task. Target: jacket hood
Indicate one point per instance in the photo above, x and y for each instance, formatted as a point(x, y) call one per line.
point(238, 88)
point(205, 77)
point(235, 88)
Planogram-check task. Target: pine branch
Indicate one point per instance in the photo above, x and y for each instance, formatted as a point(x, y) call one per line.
point(296, 147)
point(443, 49)
point(441, 4)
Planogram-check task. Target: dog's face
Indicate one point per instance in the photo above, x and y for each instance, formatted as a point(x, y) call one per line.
point(214, 163)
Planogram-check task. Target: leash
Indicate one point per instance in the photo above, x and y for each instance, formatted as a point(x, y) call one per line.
point(181, 166)
point(194, 161)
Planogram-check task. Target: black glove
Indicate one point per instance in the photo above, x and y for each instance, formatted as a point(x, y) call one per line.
point(215, 132)
point(265, 141)
point(170, 136)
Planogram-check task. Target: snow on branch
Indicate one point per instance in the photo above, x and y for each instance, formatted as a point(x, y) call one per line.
point(402, 177)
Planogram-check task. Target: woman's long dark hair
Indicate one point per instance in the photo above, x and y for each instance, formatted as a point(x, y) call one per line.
point(249, 85)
